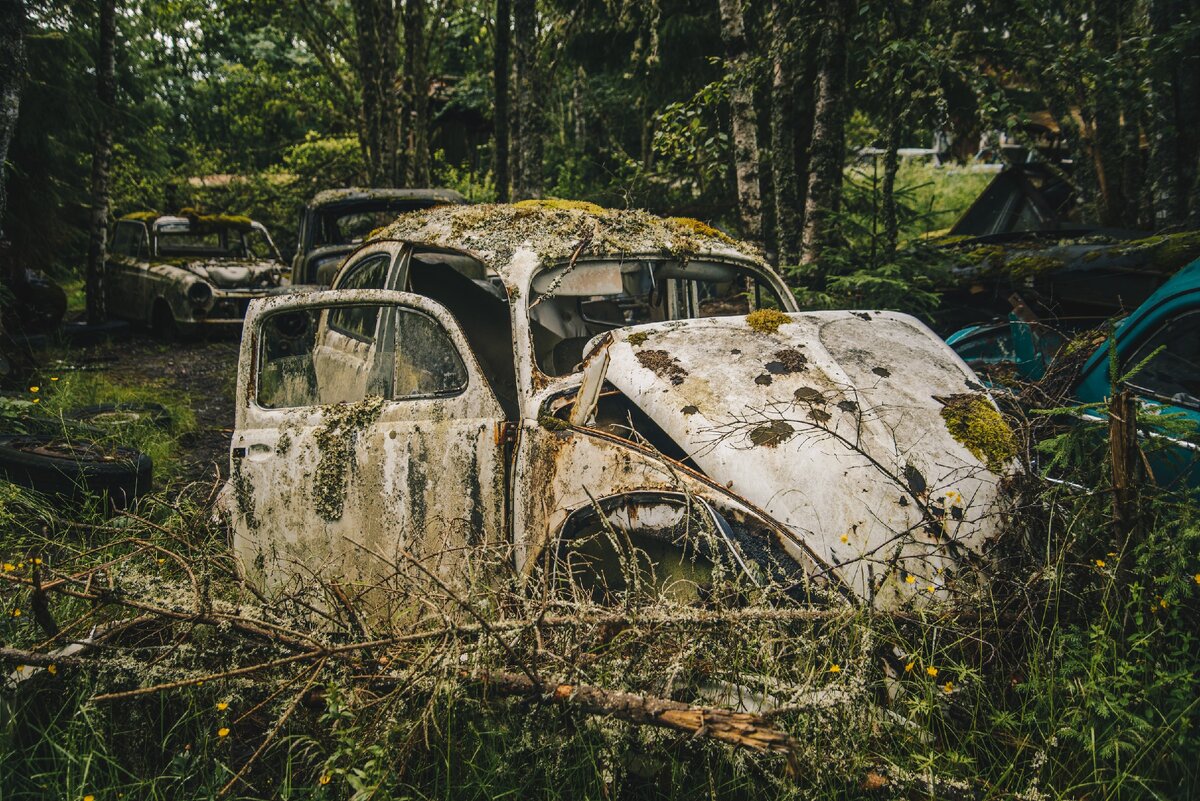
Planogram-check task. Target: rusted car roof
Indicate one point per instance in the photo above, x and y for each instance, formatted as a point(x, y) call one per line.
point(562, 230)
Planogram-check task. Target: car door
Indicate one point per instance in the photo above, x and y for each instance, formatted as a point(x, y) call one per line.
point(125, 267)
point(379, 479)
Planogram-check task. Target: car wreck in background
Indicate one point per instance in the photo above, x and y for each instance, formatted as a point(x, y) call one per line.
point(608, 401)
point(189, 273)
point(336, 221)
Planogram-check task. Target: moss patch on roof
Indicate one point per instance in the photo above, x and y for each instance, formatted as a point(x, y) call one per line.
point(217, 220)
point(557, 232)
point(141, 216)
point(557, 203)
point(974, 422)
point(693, 226)
point(767, 321)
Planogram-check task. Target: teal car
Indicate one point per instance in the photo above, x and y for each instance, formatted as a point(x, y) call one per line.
point(1162, 335)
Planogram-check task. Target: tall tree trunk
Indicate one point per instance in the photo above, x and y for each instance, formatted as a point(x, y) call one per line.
point(784, 101)
point(1106, 144)
point(743, 119)
point(106, 100)
point(531, 129)
point(500, 73)
point(891, 165)
point(416, 58)
point(12, 73)
point(1168, 199)
point(827, 149)
point(376, 31)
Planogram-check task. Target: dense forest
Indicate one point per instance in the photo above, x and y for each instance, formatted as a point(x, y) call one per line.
point(743, 114)
point(930, 272)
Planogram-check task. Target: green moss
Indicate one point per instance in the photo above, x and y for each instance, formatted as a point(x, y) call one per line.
point(1092, 255)
point(142, 216)
point(553, 423)
point(985, 256)
point(638, 338)
point(336, 440)
point(767, 321)
point(1176, 250)
point(1031, 266)
point(556, 203)
point(974, 422)
point(693, 226)
point(216, 220)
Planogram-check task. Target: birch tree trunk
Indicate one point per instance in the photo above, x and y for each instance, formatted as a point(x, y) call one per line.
point(12, 72)
point(106, 100)
point(416, 57)
point(500, 69)
point(827, 150)
point(743, 120)
point(531, 129)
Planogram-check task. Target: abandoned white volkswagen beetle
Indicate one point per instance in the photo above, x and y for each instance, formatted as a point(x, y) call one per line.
point(579, 389)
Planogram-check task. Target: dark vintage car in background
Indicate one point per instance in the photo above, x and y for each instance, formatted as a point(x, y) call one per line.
point(336, 221)
point(192, 272)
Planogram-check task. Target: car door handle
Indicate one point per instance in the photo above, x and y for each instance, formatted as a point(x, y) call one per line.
point(259, 451)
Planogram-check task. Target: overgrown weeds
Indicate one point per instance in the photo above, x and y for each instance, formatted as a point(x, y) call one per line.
point(1076, 675)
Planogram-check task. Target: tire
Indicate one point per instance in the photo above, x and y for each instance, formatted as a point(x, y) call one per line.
point(74, 470)
point(118, 415)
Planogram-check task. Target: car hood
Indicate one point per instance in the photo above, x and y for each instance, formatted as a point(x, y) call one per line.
point(234, 274)
point(834, 424)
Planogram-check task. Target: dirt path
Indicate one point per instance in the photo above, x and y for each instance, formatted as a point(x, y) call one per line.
point(203, 372)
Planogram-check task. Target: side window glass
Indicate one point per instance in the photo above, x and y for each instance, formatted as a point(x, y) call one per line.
point(427, 363)
point(360, 321)
point(413, 357)
point(124, 239)
point(1173, 375)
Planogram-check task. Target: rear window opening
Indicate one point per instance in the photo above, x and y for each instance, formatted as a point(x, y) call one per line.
point(573, 303)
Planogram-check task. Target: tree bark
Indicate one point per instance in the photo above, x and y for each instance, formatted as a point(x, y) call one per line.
point(375, 23)
point(827, 149)
point(887, 189)
point(784, 102)
point(1168, 199)
point(416, 57)
point(500, 71)
point(531, 129)
point(743, 120)
point(12, 73)
point(106, 100)
point(1106, 141)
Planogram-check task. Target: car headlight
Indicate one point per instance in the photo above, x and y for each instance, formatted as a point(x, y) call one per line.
point(200, 293)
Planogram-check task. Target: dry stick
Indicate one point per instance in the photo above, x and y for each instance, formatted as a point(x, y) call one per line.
point(19, 656)
point(737, 728)
point(274, 730)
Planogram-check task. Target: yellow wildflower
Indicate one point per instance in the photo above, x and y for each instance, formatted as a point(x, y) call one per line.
point(52, 669)
point(16, 613)
point(910, 579)
point(34, 389)
point(931, 588)
point(931, 671)
point(9, 567)
point(37, 400)
point(199, 682)
point(89, 798)
point(834, 668)
point(845, 538)
point(909, 667)
point(1162, 602)
point(53, 378)
point(223, 731)
point(37, 561)
point(222, 706)
point(948, 687)
point(1099, 563)
point(325, 778)
point(1197, 578)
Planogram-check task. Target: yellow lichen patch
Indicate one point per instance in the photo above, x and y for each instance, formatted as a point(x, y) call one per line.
point(1029, 266)
point(767, 321)
point(693, 226)
point(556, 203)
point(974, 422)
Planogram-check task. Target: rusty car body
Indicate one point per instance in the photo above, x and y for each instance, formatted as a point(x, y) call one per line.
point(534, 378)
point(191, 272)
